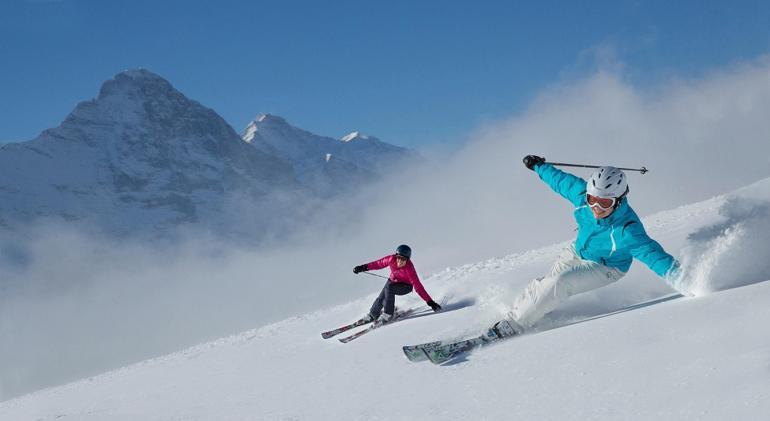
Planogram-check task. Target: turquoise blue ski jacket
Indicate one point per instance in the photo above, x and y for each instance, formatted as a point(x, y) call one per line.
point(612, 241)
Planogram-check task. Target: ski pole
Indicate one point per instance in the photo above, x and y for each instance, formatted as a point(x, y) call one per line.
point(374, 274)
point(641, 170)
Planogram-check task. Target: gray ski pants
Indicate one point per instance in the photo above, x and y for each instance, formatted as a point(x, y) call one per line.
point(387, 297)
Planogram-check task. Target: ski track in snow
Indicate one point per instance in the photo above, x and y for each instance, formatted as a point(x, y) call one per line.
point(689, 358)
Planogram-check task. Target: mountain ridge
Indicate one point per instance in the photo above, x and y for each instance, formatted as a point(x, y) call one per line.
point(142, 156)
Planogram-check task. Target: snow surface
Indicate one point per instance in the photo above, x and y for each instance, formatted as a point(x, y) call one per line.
point(353, 136)
point(702, 358)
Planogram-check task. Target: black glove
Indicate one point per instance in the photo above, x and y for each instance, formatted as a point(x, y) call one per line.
point(360, 268)
point(434, 305)
point(532, 161)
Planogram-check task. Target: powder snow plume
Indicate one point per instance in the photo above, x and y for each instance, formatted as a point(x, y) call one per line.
point(733, 252)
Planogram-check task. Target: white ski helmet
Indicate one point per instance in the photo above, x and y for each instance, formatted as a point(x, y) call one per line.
point(607, 182)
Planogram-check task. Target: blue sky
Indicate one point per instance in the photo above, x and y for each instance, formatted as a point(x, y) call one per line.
point(415, 73)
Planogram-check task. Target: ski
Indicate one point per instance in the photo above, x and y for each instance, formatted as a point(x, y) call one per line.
point(446, 352)
point(398, 316)
point(416, 352)
point(334, 332)
point(422, 352)
point(360, 322)
point(441, 352)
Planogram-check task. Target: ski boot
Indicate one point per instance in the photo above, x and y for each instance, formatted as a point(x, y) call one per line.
point(383, 319)
point(503, 329)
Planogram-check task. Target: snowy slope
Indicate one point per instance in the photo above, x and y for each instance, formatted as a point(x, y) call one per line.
point(702, 358)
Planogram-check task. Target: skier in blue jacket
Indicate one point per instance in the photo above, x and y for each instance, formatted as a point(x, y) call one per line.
point(610, 235)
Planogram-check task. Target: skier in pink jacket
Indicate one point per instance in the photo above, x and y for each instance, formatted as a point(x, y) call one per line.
point(403, 278)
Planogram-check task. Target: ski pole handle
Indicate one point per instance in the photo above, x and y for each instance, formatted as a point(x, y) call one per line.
point(561, 164)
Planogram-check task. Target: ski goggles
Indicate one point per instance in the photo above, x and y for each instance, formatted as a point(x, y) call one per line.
point(601, 202)
point(398, 256)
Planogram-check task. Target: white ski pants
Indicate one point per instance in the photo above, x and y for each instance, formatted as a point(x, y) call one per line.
point(570, 275)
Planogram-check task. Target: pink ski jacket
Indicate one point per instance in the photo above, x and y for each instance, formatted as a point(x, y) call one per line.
point(406, 274)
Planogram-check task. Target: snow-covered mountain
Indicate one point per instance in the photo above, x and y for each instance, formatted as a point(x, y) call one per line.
point(141, 154)
point(144, 157)
point(326, 164)
point(701, 358)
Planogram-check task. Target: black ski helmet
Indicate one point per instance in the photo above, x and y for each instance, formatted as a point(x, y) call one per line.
point(404, 250)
